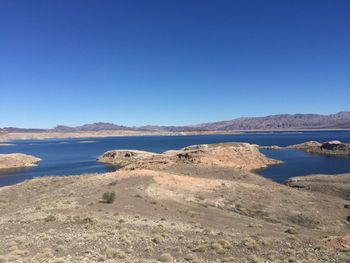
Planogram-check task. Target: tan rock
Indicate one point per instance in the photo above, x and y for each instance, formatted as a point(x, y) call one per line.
point(17, 160)
point(123, 157)
point(335, 148)
point(244, 156)
point(305, 145)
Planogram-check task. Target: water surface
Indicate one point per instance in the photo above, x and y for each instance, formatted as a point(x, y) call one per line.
point(72, 157)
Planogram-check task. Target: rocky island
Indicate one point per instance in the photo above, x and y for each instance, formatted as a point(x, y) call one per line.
point(335, 148)
point(198, 204)
point(236, 155)
point(17, 160)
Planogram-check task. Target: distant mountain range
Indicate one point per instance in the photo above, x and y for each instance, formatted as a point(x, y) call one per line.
point(340, 120)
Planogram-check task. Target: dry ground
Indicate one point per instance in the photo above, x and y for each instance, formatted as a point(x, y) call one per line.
point(185, 212)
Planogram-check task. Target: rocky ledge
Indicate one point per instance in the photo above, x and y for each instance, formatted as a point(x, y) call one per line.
point(336, 148)
point(123, 157)
point(17, 160)
point(271, 147)
point(244, 156)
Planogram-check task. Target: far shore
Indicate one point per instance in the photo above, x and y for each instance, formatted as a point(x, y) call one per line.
point(10, 136)
point(6, 137)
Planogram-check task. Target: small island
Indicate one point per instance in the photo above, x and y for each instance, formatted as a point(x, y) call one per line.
point(17, 160)
point(334, 148)
point(236, 155)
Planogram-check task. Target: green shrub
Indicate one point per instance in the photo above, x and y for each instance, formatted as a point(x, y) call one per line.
point(108, 197)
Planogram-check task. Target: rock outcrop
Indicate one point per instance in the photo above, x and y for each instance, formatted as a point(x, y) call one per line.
point(243, 156)
point(238, 155)
point(123, 157)
point(17, 160)
point(335, 148)
point(305, 146)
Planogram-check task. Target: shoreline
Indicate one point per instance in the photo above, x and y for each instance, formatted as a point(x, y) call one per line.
point(8, 137)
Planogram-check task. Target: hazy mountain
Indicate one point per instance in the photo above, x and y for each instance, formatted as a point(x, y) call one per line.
point(98, 126)
point(340, 120)
point(13, 129)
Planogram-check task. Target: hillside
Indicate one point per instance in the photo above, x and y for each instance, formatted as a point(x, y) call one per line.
point(339, 120)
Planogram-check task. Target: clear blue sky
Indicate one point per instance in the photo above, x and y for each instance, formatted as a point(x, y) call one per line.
point(170, 62)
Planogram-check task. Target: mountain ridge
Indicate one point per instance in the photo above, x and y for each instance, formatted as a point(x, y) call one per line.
point(340, 120)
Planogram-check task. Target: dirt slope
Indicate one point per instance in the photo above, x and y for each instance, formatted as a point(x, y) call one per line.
point(178, 211)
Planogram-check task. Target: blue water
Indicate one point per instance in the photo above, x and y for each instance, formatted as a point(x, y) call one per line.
point(69, 157)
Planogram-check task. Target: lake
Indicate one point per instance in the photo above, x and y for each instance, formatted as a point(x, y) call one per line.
point(74, 156)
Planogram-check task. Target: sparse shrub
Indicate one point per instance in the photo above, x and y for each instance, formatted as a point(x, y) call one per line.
point(108, 197)
point(47, 253)
point(272, 255)
point(228, 259)
point(250, 243)
point(60, 260)
point(115, 253)
point(50, 218)
point(200, 248)
point(256, 259)
point(224, 243)
point(218, 248)
point(291, 231)
point(158, 239)
point(166, 257)
point(87, 220)
point(190, 257)
point(101, 258)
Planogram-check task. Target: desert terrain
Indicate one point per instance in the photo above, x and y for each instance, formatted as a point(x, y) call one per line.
point(199, 204)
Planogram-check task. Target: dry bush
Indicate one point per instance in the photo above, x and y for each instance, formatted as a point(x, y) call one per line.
point(108, 197)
